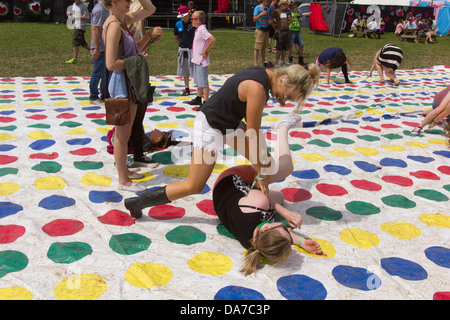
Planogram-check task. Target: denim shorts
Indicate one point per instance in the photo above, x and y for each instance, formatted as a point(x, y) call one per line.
point(200, 75)
point(296, 38)
point(117, 87)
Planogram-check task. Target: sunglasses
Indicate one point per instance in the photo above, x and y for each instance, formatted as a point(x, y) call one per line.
point(195, 18)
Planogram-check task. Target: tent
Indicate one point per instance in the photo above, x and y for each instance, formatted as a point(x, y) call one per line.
point(441, 12)
point(382, 2)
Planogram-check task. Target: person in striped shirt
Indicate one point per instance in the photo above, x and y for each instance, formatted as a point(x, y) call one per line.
point(387, 59)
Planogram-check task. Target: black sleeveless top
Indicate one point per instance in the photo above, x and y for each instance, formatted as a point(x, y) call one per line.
point(226, 196)
point(224, 110)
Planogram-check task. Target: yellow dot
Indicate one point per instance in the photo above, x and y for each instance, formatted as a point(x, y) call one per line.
point(326, 246)
point(92, 179)
point(190, 123)
point(374, 111)
point(34, 104)
point(7, 188)
point(210, 263)
point(148, 275)
point(76, 131)
point(416, 144)
point(167, 125)
point(53, 86)
point(342, 153)
point(401, 230)
point(61, 103)
point(359, 238)
point(437, 141)
point(104, 129)
point(39, 135)
point(15, 293)
point(6, 136)
point(219, 168)
point(319, 118)
point(84, 286)
point(367, 151)
point(147, 177)
point(392, 110)
point(50, 183)
point(243, 162)
point(312, 157)
point(176, 171)
point(272, 119)
point(7, 106)
point(393, 147)
point(439, 220)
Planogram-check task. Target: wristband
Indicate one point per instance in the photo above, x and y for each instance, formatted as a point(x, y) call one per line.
point(300, 242)
point(257, 178)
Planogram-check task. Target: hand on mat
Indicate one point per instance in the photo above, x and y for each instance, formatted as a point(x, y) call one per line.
point(294, 219)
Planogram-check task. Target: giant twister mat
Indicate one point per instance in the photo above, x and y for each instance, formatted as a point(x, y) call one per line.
point(374, 196)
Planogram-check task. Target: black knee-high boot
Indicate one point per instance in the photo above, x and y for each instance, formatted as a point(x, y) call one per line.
point(153, 197)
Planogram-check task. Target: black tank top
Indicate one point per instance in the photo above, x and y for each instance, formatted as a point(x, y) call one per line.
point(224, 110)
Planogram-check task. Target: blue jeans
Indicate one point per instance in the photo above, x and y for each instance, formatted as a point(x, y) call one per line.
point(98, 76)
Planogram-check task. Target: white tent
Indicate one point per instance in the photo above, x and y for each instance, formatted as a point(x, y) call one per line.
point(382, 2)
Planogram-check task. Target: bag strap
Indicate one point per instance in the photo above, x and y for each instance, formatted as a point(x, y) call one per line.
point(123, 54)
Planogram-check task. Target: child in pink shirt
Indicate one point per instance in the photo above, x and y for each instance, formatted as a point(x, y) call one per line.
point(203, 41)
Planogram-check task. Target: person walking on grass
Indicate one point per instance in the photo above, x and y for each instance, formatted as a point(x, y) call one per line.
point(79, 13)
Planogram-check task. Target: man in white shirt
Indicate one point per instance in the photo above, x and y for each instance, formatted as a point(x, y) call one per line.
point(410, 24)
point(78, 14)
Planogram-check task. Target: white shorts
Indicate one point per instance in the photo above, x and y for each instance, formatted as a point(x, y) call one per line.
point(207, 137)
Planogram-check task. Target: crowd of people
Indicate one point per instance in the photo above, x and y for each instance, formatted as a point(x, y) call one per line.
point(241, 195)
point(425, 27)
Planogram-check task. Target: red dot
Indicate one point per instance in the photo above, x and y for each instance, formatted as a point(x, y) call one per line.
point(366, 185)
point(207, 207)
point(66, 116)
point(296, 195)
point(10, 233)
point(331, 189)
point(398, 180)
point(48, 156)
point(301, 135)
point(117, 217)
point(444, 169)
point(166, 212)
point(441, 296)
point(325, 132)
point(84, 151)
point(62, 227)
point(7, 159)
point(423, 174)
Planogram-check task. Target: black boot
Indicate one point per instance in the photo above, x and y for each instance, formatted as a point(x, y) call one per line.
point(196, 101)
point(300, 60)
point(153, 197)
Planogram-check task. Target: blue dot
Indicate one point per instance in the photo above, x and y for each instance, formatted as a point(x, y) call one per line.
point(42, 144)
point(80, 141)
point(7, 147)
point(64, 109)
point(356, 278)
point(421, 159)
point(306, 174)
point(390, 162)
point(365, 166)
point(443, 153)
point(439, 255)
point(105, 196)
point(56, 202)
point(205, 189)
point(337, 169)
point(9, 208)
point(300, 287)
point(238, 293)
point(404, 269)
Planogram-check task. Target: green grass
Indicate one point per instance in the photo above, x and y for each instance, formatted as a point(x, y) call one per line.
point(37, 49)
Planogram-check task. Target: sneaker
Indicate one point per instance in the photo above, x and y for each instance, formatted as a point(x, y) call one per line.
point(416, 131)
point(134, 187)
point(186, 92)
point(196, 101)
point(73, 61)
point(290, 121)
point(97, 102)
point(145, 162)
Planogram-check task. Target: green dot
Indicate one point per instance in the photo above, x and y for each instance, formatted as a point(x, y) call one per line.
point(158, 118)
point(101, 122)
point(88, 165)
point(12, 261)
point(319, 143)
point(398, 201)
point(324, 213)
point(186, 235)
point(184, 116)
point(431, 195)
point(164, 157)
point(8, 170)
point(129, 243)
point(369, 138)
point(230, 152)
point(392, 136)
point(40, 126)
point(70, 124)
point(221, 229)
point(410, 134)
point(342, 140)
point(295, 147)
point(68, 252)
point(48, 166)
point(362, 208)
point(447, 187)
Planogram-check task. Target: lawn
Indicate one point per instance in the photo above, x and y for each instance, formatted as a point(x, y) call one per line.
point(37, 49)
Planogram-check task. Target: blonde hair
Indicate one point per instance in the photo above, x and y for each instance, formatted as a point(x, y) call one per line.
point(136, 28)
point(200, 15)
point(107, 4)
point(300, 79)
point(271, 245)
